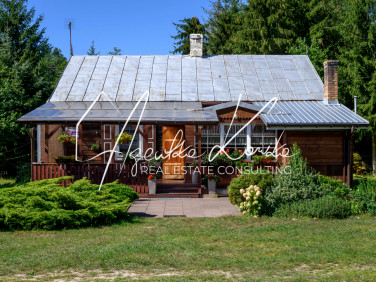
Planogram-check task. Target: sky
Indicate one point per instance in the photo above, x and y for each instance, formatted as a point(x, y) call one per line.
point(137, 27)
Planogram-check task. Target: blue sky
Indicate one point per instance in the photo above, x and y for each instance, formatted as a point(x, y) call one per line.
point(135, 26)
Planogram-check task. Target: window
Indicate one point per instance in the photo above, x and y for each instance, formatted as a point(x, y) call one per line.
point(123, 148)
point(255, 135)
point(210, 136)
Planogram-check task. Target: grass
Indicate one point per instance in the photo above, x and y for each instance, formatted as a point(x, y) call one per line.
point(240, 248)
point(7, 182)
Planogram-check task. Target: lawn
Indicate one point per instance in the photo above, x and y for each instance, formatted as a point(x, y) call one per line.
point(240, 248)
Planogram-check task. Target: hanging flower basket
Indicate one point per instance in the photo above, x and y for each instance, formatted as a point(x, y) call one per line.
point(123, 138)
point(66, 138)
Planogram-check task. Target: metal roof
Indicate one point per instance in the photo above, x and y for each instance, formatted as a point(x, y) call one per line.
point(310, 114)
point(155, 113)
point(185, 78)
point(285, 114)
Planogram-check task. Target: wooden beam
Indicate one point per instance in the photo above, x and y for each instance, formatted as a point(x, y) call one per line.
point(52, 132)
point(80, 139)
point(143, 134)
point(46, 138)
point(199, 153)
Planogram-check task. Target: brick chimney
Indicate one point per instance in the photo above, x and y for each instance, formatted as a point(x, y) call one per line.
point(196, 45)
point(331, 81)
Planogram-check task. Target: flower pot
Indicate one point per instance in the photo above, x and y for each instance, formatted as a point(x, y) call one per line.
point(195, 177)
point(211, 186)
point(152, 185)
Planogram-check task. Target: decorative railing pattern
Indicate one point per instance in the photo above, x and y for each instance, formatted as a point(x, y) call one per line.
point(93, 172)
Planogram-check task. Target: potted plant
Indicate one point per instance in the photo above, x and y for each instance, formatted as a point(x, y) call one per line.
point(152, 183)
point(66, 138)
point(195, 172)
point(267, 160)
point(212, 182)
point(155, 161)
point(123, 138)
point(65, 159)
point(95, 147)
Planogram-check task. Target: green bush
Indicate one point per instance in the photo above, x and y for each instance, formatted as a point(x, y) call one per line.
point(261, 179)
point(24, 173)
point(325, 207)
point(364, 197)
point(302, 183)
point(47, 205)
point(334, 187)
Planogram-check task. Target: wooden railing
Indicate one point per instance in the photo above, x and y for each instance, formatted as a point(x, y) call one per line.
point(93, 172)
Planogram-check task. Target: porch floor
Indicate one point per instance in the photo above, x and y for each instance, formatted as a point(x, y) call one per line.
point(201, 207)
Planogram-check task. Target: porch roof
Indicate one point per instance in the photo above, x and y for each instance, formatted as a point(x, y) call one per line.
point(155, 113)
point(285, 114)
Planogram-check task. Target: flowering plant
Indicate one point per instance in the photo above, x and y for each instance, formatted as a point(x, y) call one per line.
point(252, 200)
point(153, 176)
point(123, 138)
point(66, 138)
point(212, 177)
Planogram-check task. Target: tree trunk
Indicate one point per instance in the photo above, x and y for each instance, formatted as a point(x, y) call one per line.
point(374, 154)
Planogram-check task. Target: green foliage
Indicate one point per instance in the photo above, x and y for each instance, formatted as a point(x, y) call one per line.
point(300, 184)
point(334, 187)
point(29, 70)
point(47, 205)
point(92, 51)
point(260, 178)
point(184, 29)
point(94, 147)
point(324, 207)
point(24, 173)
point(66, 138)
point(364, 197)
point(65, 159)
point(115, 51)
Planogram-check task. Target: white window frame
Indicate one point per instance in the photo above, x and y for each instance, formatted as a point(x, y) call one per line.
point(118, 156)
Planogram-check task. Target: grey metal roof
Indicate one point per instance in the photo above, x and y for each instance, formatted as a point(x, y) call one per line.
point(285, 114)
point(155, 113)
point(185, 78)
point(310, 114)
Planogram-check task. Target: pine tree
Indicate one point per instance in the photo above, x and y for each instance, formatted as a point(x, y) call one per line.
point(29, 70)
point(225, 18)
point(115, 51)
point(184, 29)
point(357, 72)
point(92, 51)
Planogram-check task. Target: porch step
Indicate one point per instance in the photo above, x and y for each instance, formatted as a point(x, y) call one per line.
point(174, 195)
point(178, 190)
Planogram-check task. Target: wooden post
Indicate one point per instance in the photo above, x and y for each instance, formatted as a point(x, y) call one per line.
point(351, 139)
point(284, 141)
point(46, 138)
point(32, 157)
point(79, 139)
point(199, 153)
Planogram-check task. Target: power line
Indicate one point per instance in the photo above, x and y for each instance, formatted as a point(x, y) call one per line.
point(17, 157)
point(15, 148)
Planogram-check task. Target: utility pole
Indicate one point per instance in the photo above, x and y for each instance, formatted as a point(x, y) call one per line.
point(70, 37)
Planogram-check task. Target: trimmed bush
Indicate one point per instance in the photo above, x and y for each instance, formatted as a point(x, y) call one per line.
point(261, 179)
point(47, 205)
point(325, 207)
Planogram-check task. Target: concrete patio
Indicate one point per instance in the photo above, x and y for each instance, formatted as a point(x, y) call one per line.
point(201, 207)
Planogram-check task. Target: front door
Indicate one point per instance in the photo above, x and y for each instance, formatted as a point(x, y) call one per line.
point(172, 166)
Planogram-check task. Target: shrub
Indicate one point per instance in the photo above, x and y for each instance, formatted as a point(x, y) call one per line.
point(23, 173)
point(334, 187)
point(261, 179)
point(253, 200)
point(364, 197)
point(302, 183)
point(325, 207)
point(47, 205)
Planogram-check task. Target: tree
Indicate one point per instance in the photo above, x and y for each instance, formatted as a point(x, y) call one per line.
point(92, 51)
point(358, 69)
point(29, 70)
point(225, 19)
point(115, 51)
point(184, 29)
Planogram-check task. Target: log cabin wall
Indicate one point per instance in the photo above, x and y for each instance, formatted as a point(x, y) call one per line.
point(55, 148)
point(91, 134)
point(325, 151)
